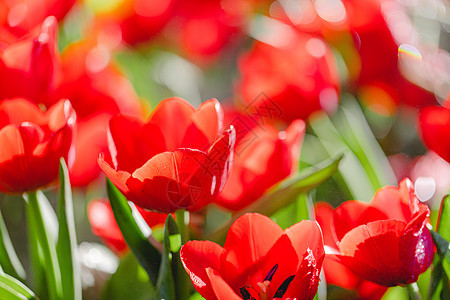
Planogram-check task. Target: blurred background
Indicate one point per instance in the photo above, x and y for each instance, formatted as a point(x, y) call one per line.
point(359, 73)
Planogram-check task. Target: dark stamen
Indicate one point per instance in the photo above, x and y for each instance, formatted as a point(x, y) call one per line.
point(283, 287)
point(271, 273)
point(245, 294)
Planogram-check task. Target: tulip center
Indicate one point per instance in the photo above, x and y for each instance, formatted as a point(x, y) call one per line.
point(262, 289)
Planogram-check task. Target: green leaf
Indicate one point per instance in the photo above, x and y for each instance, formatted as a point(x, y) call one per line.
point(166, 284)
point(148, 256)
point(284, 193)
point(353, 127)
point(13, 289)
point(130, 281)
point(351, 171)
point(443, 226)
point(8, 257)
point(66, 247)
point(40, 215)
point(443, 249)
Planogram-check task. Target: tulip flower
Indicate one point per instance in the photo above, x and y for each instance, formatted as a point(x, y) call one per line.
point(33, 142)
point(263, 157)
point(178, 159)
point(295, 79)
point(336, 273)
point(29, 67)
point(386, 241)
point(258, 261)
point(97, 91)
point(104, 225)
point(434, 122)
point(20, 17)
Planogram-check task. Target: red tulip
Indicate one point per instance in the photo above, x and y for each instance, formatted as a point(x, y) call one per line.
point(29, 67)
point(135, 21)
point(293, 81)
point(263, 157)
point(386, 241)
point(177, 159)
point(104, 225)
point(336, 273)
point(32, 142)
point(434, 122)
point(258, 261)
point(97, 91)
point(19, 17)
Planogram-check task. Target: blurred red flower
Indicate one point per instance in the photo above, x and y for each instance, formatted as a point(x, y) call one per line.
point(104, 225)
point(263, 157)
point(135, 21)
point(97, 91)
point(29, 67)
point(32, 142)
point(176, 160)
point(434, 122)
point(19, 17)
point(297, 78)
point(336, 273)
point(386, 241)
point(258, 261)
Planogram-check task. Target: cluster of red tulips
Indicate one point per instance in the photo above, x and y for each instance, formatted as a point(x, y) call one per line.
point(250, 197)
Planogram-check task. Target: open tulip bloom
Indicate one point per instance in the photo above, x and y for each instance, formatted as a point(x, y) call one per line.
point(178, 159)
point(386, 241)
point(258, 261)
point(32, 142)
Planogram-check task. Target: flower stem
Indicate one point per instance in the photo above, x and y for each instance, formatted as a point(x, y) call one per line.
point(183, 225)
point(413, 290)
point(46, 243)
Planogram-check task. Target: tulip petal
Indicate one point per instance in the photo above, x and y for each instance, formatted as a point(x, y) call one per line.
point(207, 123)
point(130, 137)
point(324, 216)
point(197, 256)
point(164, 116)
point(103, 224)
point(18, 110)
point(118, 178)
point(372, 251)
point(249, 240)
point(307, 235)
point(222, 290)
point(351, 214)
point(434, 124)
point(173, 180)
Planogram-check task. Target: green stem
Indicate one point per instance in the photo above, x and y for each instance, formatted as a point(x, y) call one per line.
point(46, 244)
point(413, 290)
point(183, 228)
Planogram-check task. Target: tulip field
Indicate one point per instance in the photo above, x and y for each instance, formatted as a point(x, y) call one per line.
point(224, 149)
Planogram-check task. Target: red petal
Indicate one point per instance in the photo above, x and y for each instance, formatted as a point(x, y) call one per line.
point(324, 216)
point(207, 124)
point(416, 246)
point(18, 110)
point(263, 163)
point(249, 239)
point(351, 214)
point(294, 136)
point(372, 251)
point(164, 115)
point(132, 143)
point(337, 273)
point(222, 290)
point(118, 178)
point(434, 124)
point(61, 114)
point(104, 225)
point(173, 180)
point(196, 257)
point(307, 235)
